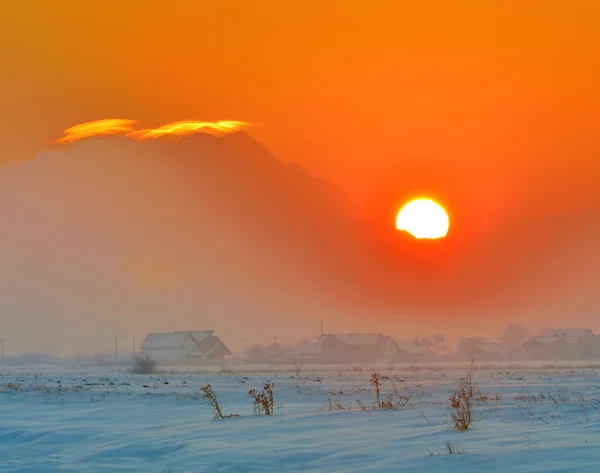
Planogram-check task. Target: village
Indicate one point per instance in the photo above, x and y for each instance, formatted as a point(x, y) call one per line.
point(204, 347)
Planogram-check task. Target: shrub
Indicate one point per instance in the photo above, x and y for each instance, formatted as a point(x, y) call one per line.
point(143, 364)
point(461, 402)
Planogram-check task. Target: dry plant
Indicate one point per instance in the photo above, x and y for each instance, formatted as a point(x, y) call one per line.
point(209, 394)
point(388, 402)
point(453, 450)
point(263, 402)
point(376, 382)
point(461, 402)
point(448, 448)
point(14, 386)
point(143, 364)
point(533, 444)
point(298, 370)
point(362, 407)
point(333, 405)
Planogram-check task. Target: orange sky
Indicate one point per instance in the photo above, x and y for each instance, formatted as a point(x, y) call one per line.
point(490, 106)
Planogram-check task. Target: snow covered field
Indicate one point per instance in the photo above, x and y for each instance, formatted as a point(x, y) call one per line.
point(526, 420)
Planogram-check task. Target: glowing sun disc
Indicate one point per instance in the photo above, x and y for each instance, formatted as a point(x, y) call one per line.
point(423, 218)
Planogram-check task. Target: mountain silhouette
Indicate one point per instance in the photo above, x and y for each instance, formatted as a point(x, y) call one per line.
point(111, 234)
point(207, 229)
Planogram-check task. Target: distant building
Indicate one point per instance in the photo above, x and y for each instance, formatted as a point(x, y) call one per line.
point(306, 351)
point(563, 344)
point(412, 350)
point(481, 349)
point(356, 348)
point(185, 346)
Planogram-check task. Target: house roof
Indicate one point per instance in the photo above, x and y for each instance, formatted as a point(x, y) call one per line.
point(212, 348)
point(412, 347)
point(484, 344)
point(477, 340)
point(173, 340)
point(568, 332)
point(549, 340)
point(217, 345)
point(199, 335)
point(160, 341)
point(353, 338)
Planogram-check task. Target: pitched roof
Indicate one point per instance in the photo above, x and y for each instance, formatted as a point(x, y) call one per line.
point(412, 347)
point(353, 338)
point(478, 340)
point(484, 344)
point(173, 340)
point(199, 335)
point(568, 332)
point(160, 341)
point(549, 340)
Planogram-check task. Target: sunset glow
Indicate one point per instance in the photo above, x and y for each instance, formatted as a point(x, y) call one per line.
point(189, 127)
point(423, 218)
point(126, 128)
point(109, 126)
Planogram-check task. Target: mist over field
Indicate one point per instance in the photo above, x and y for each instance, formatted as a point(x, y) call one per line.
point(110, 236)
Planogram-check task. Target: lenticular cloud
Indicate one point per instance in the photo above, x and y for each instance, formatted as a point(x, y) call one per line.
point(124, 127)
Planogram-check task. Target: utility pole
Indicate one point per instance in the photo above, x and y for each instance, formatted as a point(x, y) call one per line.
point(321, 328)
point(116, 347)
point(134, 346)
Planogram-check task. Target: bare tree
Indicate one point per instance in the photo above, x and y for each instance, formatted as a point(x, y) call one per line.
point(436, 344)
point(514, 336)
point(143, 364)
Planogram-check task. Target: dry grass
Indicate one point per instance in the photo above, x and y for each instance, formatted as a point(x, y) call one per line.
point(453, 450)
point(461, 402)
point(143, 365)
point(334, 405)
point(264, 402)
point(209, 394)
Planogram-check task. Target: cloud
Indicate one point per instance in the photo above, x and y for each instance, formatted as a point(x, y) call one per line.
point(107, 126)
point(125, 127)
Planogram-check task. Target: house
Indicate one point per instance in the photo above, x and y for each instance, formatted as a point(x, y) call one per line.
point(584, 335)
point(482, 349)
point(356, 347)
point(306, 351)
point(412, 350)
point(563, 344)
point(185, 346)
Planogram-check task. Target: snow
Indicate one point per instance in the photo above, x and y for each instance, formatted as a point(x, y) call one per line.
point(98, 420)
point(158, 341)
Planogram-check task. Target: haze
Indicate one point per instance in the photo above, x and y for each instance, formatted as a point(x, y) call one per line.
point(489, 108)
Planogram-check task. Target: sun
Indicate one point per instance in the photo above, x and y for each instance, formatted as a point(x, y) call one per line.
point(423, 218)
